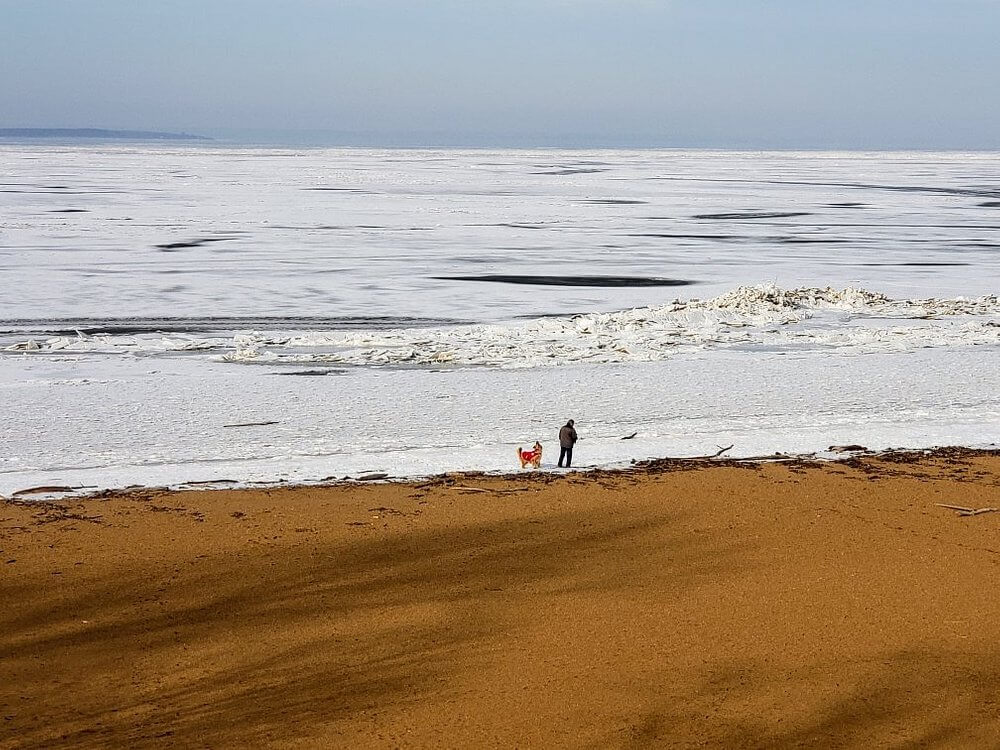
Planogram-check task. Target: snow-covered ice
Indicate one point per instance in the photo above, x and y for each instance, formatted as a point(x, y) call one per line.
point(154, 295)
point(117, 421)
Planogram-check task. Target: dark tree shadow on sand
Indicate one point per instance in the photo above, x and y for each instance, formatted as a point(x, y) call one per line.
point(907, 699)
point(461, 582)
point(338, 631)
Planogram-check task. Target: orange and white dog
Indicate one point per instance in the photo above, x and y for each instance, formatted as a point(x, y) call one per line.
point(532, 457)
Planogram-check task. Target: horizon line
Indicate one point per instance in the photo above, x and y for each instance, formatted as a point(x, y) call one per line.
point(415, 140)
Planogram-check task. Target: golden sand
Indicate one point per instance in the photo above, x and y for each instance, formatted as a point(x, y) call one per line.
point(685, 604)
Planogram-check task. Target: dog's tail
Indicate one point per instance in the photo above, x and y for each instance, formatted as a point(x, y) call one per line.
point(518, 449)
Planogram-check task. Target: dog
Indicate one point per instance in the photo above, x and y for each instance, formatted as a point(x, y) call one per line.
point(532, 457)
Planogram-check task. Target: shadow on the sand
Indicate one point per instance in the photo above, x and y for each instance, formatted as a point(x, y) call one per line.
point(904, 699)
point(330, 630)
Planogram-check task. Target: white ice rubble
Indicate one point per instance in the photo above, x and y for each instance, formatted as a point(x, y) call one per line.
point(853, 321)
point(749, 316)
point(112, 344)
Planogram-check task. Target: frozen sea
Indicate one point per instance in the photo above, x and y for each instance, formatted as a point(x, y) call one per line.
point(177, 314)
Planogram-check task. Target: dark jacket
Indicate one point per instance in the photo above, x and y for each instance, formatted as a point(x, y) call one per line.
point(567, 436)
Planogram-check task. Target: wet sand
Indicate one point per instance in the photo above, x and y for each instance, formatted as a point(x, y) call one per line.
point(684, 604)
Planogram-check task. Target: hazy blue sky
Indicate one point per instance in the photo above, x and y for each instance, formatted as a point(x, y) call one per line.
point(784, 73)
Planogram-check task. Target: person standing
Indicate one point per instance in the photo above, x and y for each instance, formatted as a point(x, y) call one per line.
point(567, 437)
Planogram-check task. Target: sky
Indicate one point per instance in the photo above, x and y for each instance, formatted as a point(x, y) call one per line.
point(710, 73)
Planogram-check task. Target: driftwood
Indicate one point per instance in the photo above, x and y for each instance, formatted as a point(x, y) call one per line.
point(466, 488)
point(775, 457)
point(629, 437)
point(46, 489)
point(705, 458)
point(252, 424)
point(371, 477)
point(961, 510)
point(846, 448)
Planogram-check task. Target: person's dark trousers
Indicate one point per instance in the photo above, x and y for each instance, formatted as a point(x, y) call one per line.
point(566, 453)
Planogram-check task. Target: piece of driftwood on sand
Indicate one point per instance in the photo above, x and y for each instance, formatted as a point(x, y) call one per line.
point(961, 510)
point(498, 490)
point(714, 455)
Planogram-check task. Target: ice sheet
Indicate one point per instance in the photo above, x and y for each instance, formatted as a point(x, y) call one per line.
point(117, 421)
point(153, 295)
point(125, 231)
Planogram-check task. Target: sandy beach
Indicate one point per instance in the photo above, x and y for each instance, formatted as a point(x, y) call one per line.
point(680, 604)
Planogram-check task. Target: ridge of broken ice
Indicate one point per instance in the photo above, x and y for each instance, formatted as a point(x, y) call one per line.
point(749, 316)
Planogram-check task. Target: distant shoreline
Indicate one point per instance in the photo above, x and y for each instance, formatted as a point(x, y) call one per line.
point(132, 135)
point(433, 141)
